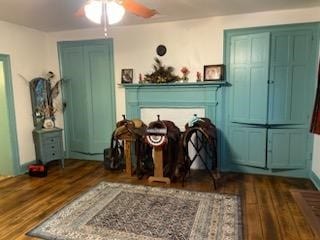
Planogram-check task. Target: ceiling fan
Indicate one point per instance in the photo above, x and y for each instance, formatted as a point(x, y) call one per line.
point(112, 11)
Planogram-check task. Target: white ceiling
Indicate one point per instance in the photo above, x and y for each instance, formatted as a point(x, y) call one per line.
point(58, 15)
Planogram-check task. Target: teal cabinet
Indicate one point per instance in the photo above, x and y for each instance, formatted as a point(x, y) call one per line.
point(290, 67)
point(87, 68)
point(48, 145)
point(272, 77)
point(248, 146)
point(287, 148)
point(249, 66)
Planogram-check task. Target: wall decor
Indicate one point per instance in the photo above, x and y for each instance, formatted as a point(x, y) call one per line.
point(42, 95)
point(185, 72)
point(126, 75)
point(161, 73)
point(161, 50)
point(198, 77)
point(213, 72)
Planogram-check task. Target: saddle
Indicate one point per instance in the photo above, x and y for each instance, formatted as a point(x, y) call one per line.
point(205, 129)
point(205, 126)
point(131, 130)
point(165, 134)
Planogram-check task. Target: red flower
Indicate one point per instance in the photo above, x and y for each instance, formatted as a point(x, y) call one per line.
point(185, 71)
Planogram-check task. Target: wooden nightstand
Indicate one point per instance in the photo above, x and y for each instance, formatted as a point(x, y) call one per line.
point(48, 145)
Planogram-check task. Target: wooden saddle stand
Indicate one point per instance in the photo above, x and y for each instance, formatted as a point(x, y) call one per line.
point(131, 132)
point(164, 137)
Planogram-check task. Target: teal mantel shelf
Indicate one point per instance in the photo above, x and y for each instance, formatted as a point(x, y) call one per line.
point(175, 84)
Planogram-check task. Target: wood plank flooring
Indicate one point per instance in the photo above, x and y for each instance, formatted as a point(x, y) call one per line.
point(269, 210)
point(309, 203)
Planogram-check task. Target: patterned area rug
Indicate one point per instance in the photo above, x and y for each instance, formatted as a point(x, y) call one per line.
point(122, 211)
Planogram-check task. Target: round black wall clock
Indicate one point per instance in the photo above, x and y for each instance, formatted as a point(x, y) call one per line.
point(161, 50)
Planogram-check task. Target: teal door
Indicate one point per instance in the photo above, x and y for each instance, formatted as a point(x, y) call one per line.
point(87, 67)
point(290, 80)
point(249, 66)
point(287, 148)
point(9, 157)
point(248, 146)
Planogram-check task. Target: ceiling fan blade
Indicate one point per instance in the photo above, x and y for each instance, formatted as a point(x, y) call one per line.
point(80, 12)
point(138, 9)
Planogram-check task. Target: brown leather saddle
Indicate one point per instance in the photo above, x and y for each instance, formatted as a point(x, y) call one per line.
point(165, 134)
point(200, 137)
point(131, 130)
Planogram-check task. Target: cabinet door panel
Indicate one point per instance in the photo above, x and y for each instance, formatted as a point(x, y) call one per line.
point(289, 77)
point(248, 146)
point(89, 92)
point(249, 78)
point(287, 148)
point(101, 116)
point(76, 97)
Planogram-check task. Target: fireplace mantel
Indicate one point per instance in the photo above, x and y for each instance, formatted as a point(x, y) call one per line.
point(207, 95)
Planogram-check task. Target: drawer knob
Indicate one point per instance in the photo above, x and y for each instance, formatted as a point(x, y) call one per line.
point(52, 147)
point(53, 154)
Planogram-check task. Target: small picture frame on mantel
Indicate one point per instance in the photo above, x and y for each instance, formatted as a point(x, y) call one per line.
point(126, 76)
point(213, 72)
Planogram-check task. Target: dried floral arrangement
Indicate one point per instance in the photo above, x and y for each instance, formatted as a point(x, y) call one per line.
point(46, 91)
point(161, 73)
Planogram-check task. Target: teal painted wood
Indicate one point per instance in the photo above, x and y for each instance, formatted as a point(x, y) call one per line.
point(88, 68)
point(289, 77)
point(249, 66)
point(102, 84)
point(248, 146)
point(48, 145)
point(14, 160)
point(287, 148)
point(76, 96)
point(309, 88)
point(315, 179)
point(208, 96)
point(171, 95)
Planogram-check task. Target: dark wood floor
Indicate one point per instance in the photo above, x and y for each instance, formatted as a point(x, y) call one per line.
point(269, 211)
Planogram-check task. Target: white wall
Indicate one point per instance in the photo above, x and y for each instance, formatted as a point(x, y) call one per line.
point(316, 156)
point(26, 48)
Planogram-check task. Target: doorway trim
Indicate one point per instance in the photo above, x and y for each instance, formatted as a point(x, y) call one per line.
point(11, 113)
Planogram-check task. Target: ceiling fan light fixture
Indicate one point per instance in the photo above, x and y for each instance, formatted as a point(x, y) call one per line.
point(93, 11)
point(115, 12)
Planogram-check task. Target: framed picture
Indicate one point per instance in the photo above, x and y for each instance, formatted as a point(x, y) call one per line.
point(126, 75)
point(213, 72)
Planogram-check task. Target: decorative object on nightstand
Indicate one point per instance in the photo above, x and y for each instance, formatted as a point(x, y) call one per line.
point(48, 145)
point(47, 138)
point(42, 95)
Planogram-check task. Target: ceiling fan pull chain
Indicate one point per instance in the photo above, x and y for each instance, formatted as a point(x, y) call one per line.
point(104, 16)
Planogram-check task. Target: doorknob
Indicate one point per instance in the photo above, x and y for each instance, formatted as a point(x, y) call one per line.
point(64, 105)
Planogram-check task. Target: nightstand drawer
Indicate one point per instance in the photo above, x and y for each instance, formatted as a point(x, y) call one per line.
point(51, 140)
point(52, 147)
point(52, 155)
